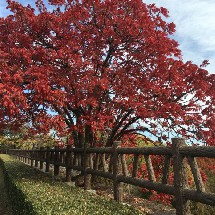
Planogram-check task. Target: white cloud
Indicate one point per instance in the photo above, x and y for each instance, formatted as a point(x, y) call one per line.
point(195, 28)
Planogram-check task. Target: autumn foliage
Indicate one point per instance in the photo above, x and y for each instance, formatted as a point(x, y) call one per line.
point(99, 70)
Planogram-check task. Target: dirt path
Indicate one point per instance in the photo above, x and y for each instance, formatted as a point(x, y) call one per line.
point(5, 206)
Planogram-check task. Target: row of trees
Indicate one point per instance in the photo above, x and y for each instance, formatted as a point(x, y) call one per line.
point(100, 70)
point(22, 139)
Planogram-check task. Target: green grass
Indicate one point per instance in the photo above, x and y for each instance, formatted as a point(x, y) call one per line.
point(32, 192)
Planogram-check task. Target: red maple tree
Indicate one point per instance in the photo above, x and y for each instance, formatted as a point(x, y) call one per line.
point(100, 70)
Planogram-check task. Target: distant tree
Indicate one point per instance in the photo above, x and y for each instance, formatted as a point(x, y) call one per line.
point(25, 138)
point(94, 68)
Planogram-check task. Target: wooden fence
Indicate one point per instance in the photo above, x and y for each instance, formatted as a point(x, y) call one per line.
point(113, 166)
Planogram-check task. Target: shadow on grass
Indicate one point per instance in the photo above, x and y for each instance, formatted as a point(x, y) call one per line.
point(17, 172)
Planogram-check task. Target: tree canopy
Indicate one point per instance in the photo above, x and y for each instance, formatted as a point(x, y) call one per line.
point(100, 70)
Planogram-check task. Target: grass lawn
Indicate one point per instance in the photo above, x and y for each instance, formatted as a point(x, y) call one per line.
point(5, 204)
point(33, 192)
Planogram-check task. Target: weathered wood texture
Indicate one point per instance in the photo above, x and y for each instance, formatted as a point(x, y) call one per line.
point(56, 159)
point(150, 168)
point(47, 154)
point(166, 169)
point(110, 163)
point(180, 178)
point(135, 165)
point(116, 184)
point(68, 164)
point(196, 174)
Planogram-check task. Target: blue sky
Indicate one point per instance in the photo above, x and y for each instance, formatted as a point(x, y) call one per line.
point(195, 27)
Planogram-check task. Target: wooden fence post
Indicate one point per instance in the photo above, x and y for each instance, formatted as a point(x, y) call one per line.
point(166, 169)
point(87, 177)
point(61, 157)
point(47, 159)
point(135, 166)
point(124, 165)
point(32, 157)
point(29, 156)
point(56, 160)
point(68, 163)
point(25, 155)
point(36, 158)
point(196, 174)
point(180, 178)
point(41, 156)
point(19, 155)
point(104, 164)
point(117, 186)
point(150, 168)
point(22, 158)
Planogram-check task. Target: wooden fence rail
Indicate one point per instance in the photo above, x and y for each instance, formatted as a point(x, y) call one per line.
point(110, 163)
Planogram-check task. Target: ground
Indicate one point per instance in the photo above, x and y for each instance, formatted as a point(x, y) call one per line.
point(149, 208)
point(143, 205)
point(5, 206)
